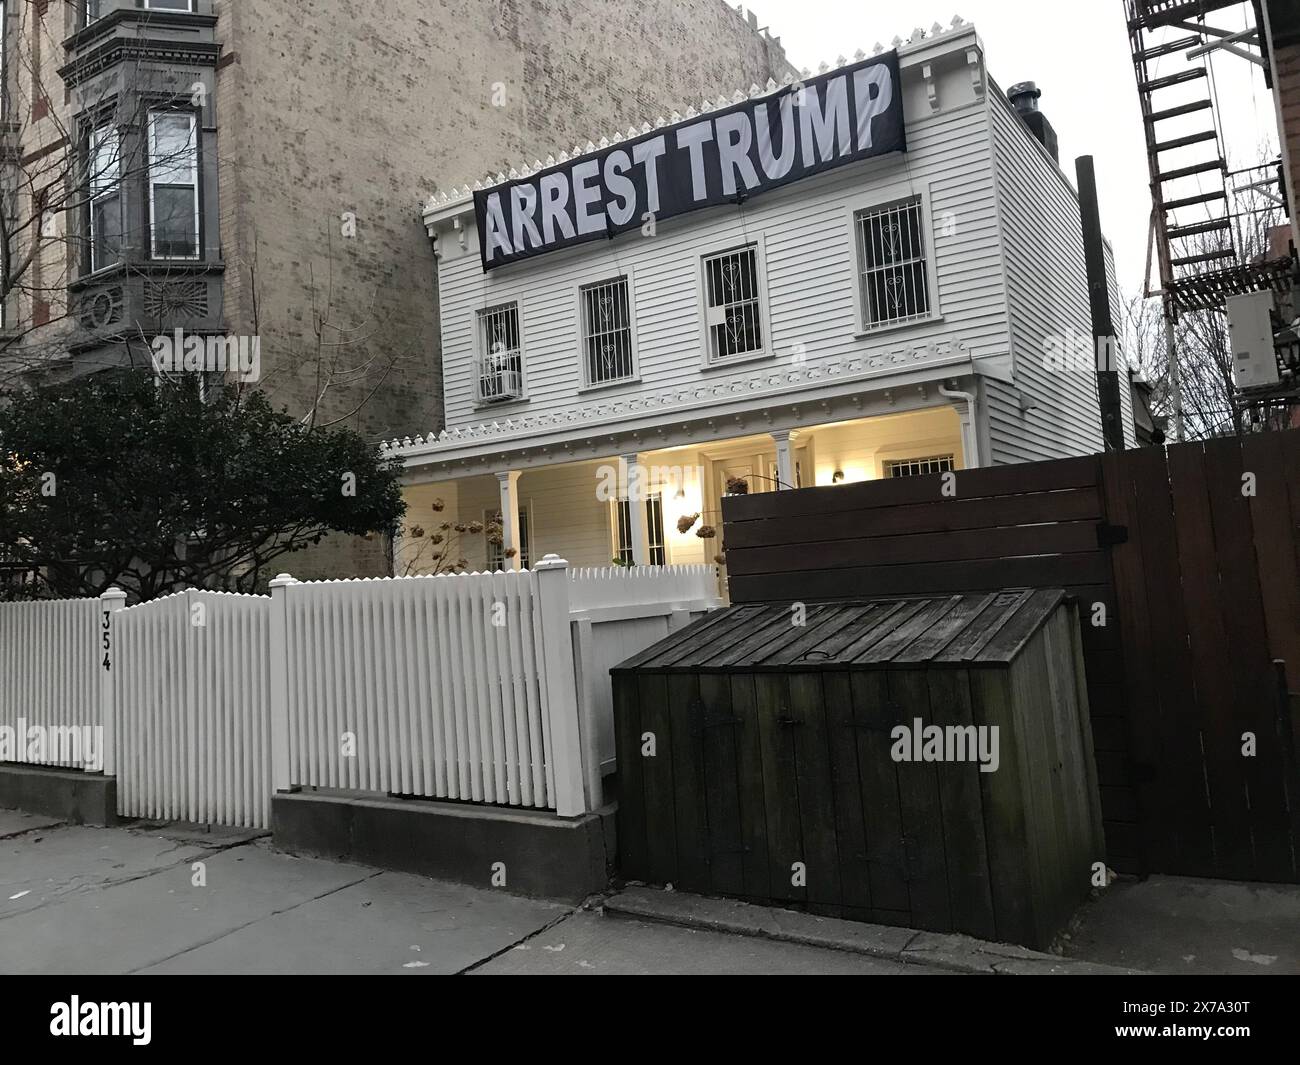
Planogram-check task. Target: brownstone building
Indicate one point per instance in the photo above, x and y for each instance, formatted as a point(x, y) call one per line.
point(255, 168)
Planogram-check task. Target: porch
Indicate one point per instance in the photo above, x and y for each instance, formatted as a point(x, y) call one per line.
point(583, 509)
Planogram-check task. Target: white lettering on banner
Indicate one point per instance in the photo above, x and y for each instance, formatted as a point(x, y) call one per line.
point(776, 166)
point(725, 157)
point(693, 138)
point(825, 128)
point(647, 154)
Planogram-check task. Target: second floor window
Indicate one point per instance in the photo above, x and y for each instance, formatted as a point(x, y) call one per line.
point(893, 266)
point(104, 162)
point(174, 184)
point(501, 360)
point(732, 307)
point(606, 310)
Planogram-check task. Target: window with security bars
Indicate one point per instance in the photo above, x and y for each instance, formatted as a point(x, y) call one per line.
point(733, 309)
point(606, 310)
point(893, 266)
point(496, 553)
point(501, 358)
point(919, 467)
point(654, 515)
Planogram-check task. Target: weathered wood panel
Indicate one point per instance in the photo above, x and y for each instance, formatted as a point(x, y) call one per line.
point(1188, 589)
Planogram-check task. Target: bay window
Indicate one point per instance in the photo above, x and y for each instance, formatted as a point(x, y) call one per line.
point(104, 162)
point(174, 184)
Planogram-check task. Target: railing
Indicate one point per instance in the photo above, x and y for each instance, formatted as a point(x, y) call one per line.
point(488, 688)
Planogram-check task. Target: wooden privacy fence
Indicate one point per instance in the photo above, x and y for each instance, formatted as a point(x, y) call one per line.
point(48, 677)
point(488, 688)
point(1186, 565)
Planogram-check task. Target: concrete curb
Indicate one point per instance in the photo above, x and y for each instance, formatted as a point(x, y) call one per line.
point(70, 795)
point(543, 855)
point(956, 953)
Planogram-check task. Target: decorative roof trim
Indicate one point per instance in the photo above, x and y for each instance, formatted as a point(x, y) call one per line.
point(700, 396)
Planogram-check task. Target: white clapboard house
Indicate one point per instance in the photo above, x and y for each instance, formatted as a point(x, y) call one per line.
point(852, 277)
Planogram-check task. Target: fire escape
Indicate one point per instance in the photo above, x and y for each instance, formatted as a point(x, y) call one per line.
point(1198, 218)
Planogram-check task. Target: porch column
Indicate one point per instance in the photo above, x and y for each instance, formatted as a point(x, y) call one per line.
point(784, 461)
point(636, 494)
point(509, 482)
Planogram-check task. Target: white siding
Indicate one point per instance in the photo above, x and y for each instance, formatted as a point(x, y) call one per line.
point(1047, 296)
point(811, 272)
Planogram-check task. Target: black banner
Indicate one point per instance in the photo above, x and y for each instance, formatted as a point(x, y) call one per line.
point(726, 156)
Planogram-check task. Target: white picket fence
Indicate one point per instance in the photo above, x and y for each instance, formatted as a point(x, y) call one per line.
point(490, 688)
point(191, 680)
point(49, 678)
point(432, 686)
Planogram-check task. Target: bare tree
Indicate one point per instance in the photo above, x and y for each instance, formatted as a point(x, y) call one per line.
point(1201, 337)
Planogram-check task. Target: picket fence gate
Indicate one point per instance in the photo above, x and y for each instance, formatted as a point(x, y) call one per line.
point(488, 688)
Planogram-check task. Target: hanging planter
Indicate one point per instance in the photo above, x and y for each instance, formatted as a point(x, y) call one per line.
point(737, 486)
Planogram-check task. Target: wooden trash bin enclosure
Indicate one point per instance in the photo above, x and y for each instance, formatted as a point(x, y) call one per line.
point(849, 765)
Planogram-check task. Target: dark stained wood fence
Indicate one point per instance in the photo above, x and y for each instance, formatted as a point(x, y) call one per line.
point(1188, 588)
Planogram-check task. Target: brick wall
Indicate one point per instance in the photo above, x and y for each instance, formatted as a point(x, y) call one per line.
point(333, 106)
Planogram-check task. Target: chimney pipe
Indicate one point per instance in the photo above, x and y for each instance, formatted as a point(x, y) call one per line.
point(1024, 97)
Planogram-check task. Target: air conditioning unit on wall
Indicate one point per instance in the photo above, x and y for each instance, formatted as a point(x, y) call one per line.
point(1250, 333)
point(496, 386)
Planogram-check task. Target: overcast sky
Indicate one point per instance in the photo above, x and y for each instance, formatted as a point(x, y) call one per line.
point(1081, 63)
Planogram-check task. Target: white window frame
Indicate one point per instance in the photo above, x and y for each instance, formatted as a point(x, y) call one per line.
point(190, 4)
point(707, 358)
point(892, 196)
point(924, 448)
point(593, 280)
point(195, 169)
point(481, 353)
point(949, 457)
point(494, 557)
point(113, 188)
point(615, 510)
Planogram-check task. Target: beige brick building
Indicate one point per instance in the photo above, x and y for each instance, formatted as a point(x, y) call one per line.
point(256, 168)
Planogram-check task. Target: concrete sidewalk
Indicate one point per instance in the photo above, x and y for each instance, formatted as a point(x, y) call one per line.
point(75, 899)
point(1174, 924)
point(176, 899)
